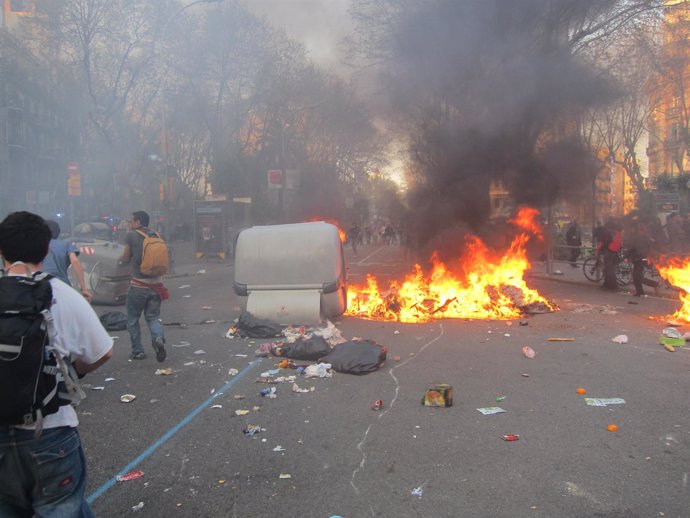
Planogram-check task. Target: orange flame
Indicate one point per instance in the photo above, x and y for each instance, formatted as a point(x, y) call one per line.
point(526, 220)
point(676, 270)
point(341, 232)
point(487, 286)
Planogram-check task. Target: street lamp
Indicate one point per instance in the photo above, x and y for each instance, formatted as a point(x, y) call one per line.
point(168, 176)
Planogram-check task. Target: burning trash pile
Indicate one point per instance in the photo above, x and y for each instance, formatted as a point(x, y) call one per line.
point(484, 284)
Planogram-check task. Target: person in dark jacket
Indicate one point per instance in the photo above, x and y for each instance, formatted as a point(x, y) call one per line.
point(639, 244)
point(573, 238)
point(611, 249)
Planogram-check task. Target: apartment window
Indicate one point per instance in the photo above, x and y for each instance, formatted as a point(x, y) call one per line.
point(21, 7)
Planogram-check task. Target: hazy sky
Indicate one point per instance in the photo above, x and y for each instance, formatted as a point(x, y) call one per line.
point(318, 24)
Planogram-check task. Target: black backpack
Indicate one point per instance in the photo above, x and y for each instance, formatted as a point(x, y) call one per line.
point(34, 379)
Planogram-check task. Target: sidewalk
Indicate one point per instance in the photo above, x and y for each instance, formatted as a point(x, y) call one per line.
point(561, 271)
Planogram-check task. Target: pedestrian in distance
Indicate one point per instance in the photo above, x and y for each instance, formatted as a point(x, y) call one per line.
point(146, 290)
point(573, 238)
point(42, 464)
point(61, 255)
point(353, 236)
point(676, 235)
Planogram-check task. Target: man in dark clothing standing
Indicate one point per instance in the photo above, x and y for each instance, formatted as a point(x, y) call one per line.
point(573, 238)
point(145, 293)
point(639, 246)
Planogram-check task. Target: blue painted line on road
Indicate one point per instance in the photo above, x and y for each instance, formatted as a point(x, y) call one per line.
point(167, 435)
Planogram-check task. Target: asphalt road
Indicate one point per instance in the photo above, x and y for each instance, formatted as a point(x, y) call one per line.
point(345, 459)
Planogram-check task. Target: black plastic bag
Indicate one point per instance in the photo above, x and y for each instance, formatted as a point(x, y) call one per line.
point(310, 349)
point(114, 321)
point(250, 326)
point(356, 357)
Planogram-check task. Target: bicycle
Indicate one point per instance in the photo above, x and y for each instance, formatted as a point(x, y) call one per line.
point(593, 269)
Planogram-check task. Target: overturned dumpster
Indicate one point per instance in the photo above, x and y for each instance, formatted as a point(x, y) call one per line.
point(291, 274)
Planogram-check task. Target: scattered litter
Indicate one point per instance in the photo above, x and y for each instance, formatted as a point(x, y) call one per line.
point(670, 343)
point(240, 413)
point(233, 372)
point(266, 349)
point(239, 396)
point(184, 286)
point(138, 507)
point(295, 388)
point(524, 323)
point(206, 307)
point(109, 379)
point(604, 401)
point(250, 326)
point(440, 395)
point(377, 405)
point(270, 373)
point(592, 308)
point(217, 406)
point(580, 390)
point(182, 344)
point(268, 392)
point(528, 352)
point(199, 351)
point(98, 388)
point(186, 296)
point(285, 475)
point(499, 398)
point(510, 437)
point(278, 448)
point(132, 475)
point(612, 428)
point(560, 339)
point(252, 429)
point(201, 272)
point(524, 375)
point(489, 410)
point(330, 333)
point(320, 370)
point(208, 321)
point(507, 335)
point(165, 372)
point(241, 355)
point(620, 339)
point(357, 356)
point(187, 364)
point(417, 491)
point(396, 332)
point(396, 358)
point(127, 398)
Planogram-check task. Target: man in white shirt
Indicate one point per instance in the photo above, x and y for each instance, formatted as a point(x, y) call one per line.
point(46, 475)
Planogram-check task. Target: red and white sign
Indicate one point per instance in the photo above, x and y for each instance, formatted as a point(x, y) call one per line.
point(275, 179)
point(88, 250)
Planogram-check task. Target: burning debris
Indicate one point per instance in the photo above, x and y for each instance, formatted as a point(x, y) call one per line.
point(487, 285)
point(676, 270)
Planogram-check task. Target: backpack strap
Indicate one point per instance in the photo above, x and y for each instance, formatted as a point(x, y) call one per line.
point(150, 233)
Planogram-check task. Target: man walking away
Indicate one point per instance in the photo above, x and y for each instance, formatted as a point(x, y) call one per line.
point(42, 465)
point(145, 292)
point(611, 250)
point(573, 238)
point(61, 255)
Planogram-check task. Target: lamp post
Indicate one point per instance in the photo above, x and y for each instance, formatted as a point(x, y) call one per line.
point(168, 176)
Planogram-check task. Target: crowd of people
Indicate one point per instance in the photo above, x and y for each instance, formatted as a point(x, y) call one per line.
point(634, 239)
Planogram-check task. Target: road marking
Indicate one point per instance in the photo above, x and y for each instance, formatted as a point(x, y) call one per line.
point(167, 435)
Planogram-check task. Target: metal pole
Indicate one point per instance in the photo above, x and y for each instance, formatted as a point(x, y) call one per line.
point(283, 179)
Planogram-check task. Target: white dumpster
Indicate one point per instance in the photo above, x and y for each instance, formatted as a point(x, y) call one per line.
point(291, 274)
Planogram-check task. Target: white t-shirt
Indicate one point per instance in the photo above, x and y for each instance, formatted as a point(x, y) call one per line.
point(79, 334)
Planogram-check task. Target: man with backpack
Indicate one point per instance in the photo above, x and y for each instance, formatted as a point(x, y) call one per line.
point(47, 331)
point(149, 257)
